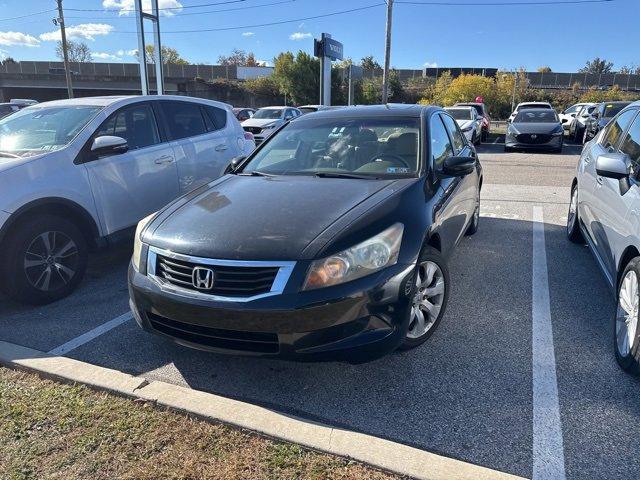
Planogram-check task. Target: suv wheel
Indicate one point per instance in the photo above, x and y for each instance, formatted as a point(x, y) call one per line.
point(626, 333)
point(573, 225)
point(44, 260)
point(429, 292)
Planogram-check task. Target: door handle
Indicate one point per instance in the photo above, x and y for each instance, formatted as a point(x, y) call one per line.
point(599, 180)
point(221, 148)
point(163, 159)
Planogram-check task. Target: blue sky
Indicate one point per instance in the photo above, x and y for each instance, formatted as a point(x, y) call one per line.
point(444, 35)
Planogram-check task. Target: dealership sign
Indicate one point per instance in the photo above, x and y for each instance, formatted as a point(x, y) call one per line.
point(328, 47)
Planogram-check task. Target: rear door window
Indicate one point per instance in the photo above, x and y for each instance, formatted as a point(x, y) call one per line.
point(458, 140)
point(616, 128)
point(218, 116)
point(184, 119)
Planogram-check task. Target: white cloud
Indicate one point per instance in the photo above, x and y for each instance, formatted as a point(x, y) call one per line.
point(299, 36)
point(430, 64)
point(248, 34)
point(104, 56)
point(10, 39)
point(84, 31)
point(264, 63)
point(127, 7)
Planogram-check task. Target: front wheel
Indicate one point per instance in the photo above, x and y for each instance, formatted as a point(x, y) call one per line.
point(626, 338)
point(44, 260)
point(429, 296)
point(573, 225)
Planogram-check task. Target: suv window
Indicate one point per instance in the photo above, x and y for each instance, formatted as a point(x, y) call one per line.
point(616, 128)
point(441, 147)
point(631, 144)
point(183, 119)
point(458, 140)
point(219, 116)
point(135, 123)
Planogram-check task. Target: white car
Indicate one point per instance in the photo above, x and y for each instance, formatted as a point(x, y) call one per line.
point(529, 105)
point(567, 116)
point(266, 120)
point(469, 122)
point(78, 174)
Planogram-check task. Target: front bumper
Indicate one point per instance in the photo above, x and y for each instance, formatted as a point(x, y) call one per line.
point(554, 142)
point(355, 322)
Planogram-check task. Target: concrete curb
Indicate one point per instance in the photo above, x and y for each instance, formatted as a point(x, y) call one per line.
point(384, 454)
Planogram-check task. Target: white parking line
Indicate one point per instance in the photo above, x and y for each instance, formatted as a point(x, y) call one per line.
point(91, 334)
point(548, 453)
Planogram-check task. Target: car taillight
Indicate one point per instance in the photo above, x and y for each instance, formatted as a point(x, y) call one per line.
point(249, 136)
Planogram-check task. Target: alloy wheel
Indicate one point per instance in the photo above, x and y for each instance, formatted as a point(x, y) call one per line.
point(50, 261)
point(573, 208)
point(427, 300)
point(627, 313)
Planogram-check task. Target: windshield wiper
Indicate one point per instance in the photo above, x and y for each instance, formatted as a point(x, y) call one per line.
point(255, 173)
point(343, 175)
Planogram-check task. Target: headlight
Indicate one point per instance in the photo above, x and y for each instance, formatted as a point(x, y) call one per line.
point(136, 259)
point(358, 261)
point(557, 133)
point(269, 127)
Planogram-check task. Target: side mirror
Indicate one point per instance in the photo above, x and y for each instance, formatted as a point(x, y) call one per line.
point(233, 164)
point(459, 166)
point(613, 165)
point(108, 145)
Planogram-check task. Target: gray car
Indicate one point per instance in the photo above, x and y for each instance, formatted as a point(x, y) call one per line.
point(535, 129)
point(605, 213)
point(79, 174)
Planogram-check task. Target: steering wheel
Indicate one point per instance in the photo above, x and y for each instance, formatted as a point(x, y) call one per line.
point(389, 157)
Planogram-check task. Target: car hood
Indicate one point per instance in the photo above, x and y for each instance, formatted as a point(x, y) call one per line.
point(260, 218)
point(260, 122)
point(7, 163)
point(542, 128)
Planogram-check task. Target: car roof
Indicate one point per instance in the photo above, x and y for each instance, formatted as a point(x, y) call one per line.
point(535, 110)
point(460, 107)
point(274, 108)
point(388, 110)
point(534, 103)
point(105, 101)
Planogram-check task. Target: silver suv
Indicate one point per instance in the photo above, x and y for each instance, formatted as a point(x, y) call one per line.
point(605, 212)
point(79, 174)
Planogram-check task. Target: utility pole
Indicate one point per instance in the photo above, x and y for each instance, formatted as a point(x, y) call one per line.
point(65, 54)
point(387, 53)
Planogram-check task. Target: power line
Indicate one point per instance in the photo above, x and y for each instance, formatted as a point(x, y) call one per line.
point(164, 8)
point(28, 15)
point(234, 9)
point(500, 4)
point(280, 22)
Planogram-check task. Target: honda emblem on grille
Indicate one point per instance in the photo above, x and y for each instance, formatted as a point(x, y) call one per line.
point(202, 278)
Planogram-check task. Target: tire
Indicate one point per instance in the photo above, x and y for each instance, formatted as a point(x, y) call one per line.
point(626, 334)
point(431, 262)
point(573, 221)
point(475, 222)
point(43, 260)
point(483, 135)
point(559, 149)
point(507, 149)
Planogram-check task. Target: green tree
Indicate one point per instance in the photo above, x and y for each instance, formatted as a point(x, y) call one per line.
point(169, 55)
point(297, 76)
point(77, 51)
point(597, 65)
point(544, 69)
point(240, 58)
point(369, 63)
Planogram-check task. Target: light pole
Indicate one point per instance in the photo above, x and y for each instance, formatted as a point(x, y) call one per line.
point(65, 54)
point(387, 53)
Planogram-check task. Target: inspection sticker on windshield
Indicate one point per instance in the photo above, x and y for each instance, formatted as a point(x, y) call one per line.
point(398, 170)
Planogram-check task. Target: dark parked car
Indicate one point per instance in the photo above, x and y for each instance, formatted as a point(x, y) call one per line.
point(535, 128)
point(243, 114)
point(330, 241)
point(481, 108)
point(599, 118)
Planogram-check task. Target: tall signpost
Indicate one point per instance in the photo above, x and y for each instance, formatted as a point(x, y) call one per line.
point(327, 49)
point(154, 16)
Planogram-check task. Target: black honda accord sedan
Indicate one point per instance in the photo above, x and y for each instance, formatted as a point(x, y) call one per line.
point(329, 242)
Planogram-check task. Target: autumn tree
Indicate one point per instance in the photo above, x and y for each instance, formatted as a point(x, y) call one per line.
point(239, 58)
point(169, 55)
point(76, 51)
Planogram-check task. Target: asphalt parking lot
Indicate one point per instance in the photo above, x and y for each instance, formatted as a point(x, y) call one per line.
point(470, 392)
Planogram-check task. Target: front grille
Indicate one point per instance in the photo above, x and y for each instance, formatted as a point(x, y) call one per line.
point(254, 130)
point(540, 138)
point(258, 342)
point(228, 281)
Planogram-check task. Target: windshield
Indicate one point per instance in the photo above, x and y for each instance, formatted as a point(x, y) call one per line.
point(477, 107)
point(343, 146)
point(36, 130)
point(307, 109)
point(459, 113)
point(612, 109)
point(269, 113)
point(536, 116)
